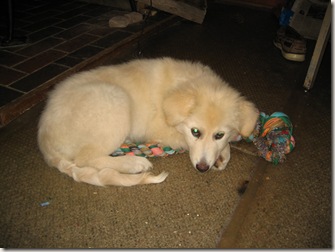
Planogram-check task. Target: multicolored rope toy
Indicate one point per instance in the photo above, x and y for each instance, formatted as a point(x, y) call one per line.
point(273, 137)
point(145, 150)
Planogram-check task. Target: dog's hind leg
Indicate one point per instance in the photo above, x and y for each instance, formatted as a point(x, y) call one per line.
point(123, 164)
point(95, 156)
point(108, 176)
point(93, 167)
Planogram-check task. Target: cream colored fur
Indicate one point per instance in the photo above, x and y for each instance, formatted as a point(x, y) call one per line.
point(89, 115)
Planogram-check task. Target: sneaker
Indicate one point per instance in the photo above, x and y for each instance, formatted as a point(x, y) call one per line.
point(291, 44)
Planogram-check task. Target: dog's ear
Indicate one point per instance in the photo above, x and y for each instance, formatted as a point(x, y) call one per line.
point(178, 105)
point(248, 118)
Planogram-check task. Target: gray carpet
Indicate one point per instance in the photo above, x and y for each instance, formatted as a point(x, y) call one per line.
point(285, 206)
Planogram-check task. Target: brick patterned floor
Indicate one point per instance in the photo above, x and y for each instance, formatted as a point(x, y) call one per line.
point(63, 37)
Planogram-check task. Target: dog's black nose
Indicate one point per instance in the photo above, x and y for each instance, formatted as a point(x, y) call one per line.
point(202, 167)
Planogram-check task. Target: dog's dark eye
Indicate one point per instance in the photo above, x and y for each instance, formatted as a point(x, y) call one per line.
point(218, 135)
point(195, 132)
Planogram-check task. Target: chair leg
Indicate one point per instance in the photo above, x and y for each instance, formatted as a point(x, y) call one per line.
point(319, 49)
point(132, 5)
point(10, 40)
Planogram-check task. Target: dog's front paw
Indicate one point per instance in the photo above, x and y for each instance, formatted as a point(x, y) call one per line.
point(220, 163)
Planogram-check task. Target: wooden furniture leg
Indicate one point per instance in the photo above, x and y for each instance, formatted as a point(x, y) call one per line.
point(319, 49)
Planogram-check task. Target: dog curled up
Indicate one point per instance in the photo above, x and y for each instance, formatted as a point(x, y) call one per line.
point(180, 104)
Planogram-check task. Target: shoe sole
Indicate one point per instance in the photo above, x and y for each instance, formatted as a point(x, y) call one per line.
point(289, 56)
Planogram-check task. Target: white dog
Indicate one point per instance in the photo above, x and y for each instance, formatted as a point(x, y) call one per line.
point(177, 103)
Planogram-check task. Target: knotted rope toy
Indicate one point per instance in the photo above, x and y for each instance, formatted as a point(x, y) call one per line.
point(145, 150)
point(272, 137)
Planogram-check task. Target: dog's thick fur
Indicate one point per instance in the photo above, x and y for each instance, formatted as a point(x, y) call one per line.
point(178, 103)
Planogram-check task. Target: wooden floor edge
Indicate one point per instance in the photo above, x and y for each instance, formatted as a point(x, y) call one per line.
point(232, 232)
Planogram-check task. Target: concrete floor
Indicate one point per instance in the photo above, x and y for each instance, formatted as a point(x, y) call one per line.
point(284, 206)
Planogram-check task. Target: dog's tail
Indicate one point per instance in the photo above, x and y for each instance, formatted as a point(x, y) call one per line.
point(108, 176)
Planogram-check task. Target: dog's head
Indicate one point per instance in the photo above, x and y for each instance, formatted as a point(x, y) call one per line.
point(209, 118)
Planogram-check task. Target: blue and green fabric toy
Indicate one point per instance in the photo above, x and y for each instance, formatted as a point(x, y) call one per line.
point(272, 136)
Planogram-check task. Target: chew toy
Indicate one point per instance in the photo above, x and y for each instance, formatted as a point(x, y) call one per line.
point(145, 150)
point(272, 137)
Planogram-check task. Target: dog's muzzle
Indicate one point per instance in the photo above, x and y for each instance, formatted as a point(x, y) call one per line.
point(202, 166)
